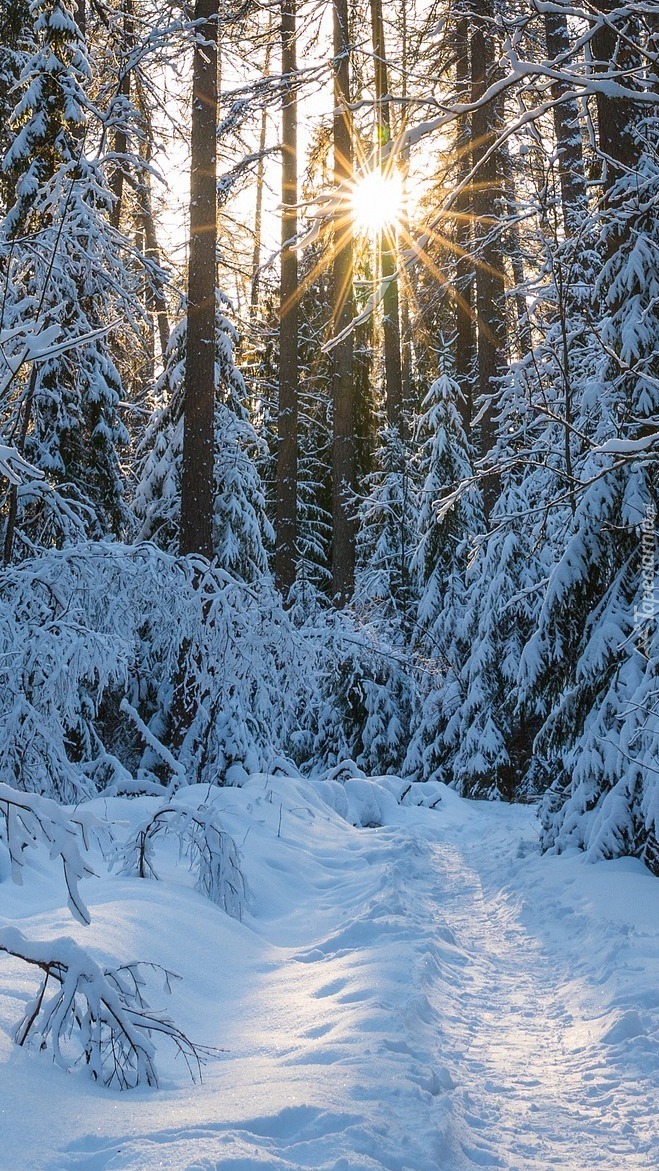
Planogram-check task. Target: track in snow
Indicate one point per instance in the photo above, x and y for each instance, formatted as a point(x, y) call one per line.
point(537, 1083)
point(416, 997)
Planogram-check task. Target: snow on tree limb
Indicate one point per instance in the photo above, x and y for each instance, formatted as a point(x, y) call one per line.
point(96, 1017)
point(31, 820)
point(211, 851)
point(15, 468)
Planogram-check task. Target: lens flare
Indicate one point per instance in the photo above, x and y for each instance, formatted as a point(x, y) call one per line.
point(377, 201)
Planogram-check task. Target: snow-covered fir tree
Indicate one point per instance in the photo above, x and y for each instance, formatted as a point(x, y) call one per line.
point(384, 579)
point(13, 29)
point(447, 535)
point(591, 666)
point(66, 273)
point(241, 529)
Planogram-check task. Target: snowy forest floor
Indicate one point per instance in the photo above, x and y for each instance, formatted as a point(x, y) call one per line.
point(427, 994)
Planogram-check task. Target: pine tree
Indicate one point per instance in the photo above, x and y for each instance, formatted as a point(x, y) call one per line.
point(240, 527)
point(387, 534)
point(64, 271)
point(590, 667)
point(13, 39)
point(446, 541)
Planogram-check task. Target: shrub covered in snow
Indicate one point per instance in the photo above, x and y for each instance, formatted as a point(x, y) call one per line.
point(94, 1017)
point(84, 629)
point(210, 850)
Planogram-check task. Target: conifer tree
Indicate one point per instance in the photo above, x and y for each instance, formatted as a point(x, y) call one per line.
point(591, 666)
point(387, 534)
point(446, 539)
point(240, 528)
point(64, 271)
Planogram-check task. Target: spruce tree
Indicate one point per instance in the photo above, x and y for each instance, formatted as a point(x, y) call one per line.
point(65, 272)
point(591, 666)
point(446, 540)
point(240, 529)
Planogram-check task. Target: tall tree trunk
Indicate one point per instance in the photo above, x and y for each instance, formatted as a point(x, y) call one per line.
point(120, 143)
point(153, 254)
point(343, 451)
point(615, 115)
point(12, 512)
point(465, 342)
point(258, 219)
point(81, 17)
point(514, 249)
point(258, 210)
point(571, 173)
point(196, 532)
point(388, 242)
point(157, 300)
point(404, 287)
point(285, 559)
point(489, 209)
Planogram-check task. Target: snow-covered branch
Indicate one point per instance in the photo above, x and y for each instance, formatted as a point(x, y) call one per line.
point(95, 1017)
point(30, 821)
point(211, 851)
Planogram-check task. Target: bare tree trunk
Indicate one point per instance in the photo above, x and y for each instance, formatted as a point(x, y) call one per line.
point(258, 210)
point(404, 288)
point(153, 254)
point(488, 206)
point(147, 222)
point(12, 512)
point(144, 372)
point(196, 532)
point(515, 253)
point(120, 143)
point(566, 128)
point(285, 558)
point(81, 17)
point(343, 451)
point(258, 219)
point(388, 243)
point(465, 352)
point(615, 115)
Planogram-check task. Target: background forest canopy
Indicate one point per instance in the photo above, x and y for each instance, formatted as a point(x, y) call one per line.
point(329, 399)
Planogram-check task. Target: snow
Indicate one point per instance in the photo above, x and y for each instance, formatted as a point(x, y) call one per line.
point(419, 990)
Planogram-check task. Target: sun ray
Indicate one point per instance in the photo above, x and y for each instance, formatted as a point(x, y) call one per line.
point(377, 201)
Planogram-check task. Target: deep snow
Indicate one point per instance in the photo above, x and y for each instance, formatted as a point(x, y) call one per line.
point(419, 992)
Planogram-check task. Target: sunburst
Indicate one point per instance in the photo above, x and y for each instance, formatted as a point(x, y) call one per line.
point(377, 201)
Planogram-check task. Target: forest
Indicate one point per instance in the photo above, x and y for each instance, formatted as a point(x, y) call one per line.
point(329, 434)
point(329, 399)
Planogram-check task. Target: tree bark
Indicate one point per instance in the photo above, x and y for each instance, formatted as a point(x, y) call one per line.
point(196, 531)
point(12, 512)
point(615, 115)
point(120, 141)
point(388, 241)
point(258, 210)
point(81, 17)
point(406, 352)
point(465, 342)
point(514, 249)
point(287, 458)
point(488, 208)
point(343, 451)
point(571, 173)
point(152, 251)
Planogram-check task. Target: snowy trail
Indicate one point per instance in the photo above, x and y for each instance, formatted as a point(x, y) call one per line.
point(428, 995)
point(536, 1082)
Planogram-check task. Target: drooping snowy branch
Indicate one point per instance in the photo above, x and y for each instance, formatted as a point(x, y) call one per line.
point(211, 851)
point(95, 1017)
point(30, 821)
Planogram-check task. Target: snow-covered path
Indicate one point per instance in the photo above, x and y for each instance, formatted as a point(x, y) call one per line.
point(428, 995)
point(538, 1085)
